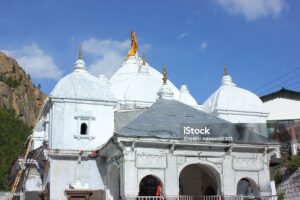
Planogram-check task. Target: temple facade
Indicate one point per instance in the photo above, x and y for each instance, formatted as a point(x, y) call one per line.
point(135, 134)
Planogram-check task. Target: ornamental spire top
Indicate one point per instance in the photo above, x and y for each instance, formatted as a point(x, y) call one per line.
point(225, 70)
point(227, 80)
point(165, 75)
point(79, 64)
point(134, 45)
point(165, 91)
point(144, 58)
point(80, 53)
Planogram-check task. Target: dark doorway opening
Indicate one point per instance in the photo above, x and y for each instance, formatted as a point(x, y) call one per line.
point(150, 186)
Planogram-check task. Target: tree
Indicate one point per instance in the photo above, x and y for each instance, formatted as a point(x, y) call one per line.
point(13, 134)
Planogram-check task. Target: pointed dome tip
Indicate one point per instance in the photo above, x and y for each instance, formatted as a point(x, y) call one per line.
point(80, 53)
point(225, 70)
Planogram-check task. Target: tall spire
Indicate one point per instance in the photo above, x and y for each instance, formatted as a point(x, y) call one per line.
point(225, 70)
point(144, 58)
point(80, 53)
point(227, 80)
point(165, 75)
point(79, 64)
point(165, 91)
point(134, 45)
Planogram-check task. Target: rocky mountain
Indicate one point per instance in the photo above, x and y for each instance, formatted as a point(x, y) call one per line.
point(17, 92)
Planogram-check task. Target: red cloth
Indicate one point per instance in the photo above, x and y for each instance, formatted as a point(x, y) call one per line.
point(158, 190)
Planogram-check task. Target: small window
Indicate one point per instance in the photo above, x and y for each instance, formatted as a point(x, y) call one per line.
point(83, 129)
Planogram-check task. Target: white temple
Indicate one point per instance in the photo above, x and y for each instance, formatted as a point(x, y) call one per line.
point(123, 137)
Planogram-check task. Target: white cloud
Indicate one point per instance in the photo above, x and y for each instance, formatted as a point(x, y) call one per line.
point(35, 62)
point(254, 9)
point(181, 36)
point(204, 45)
point(108, 54)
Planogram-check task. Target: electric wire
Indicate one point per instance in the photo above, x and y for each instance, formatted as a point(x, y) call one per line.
point(276, 79)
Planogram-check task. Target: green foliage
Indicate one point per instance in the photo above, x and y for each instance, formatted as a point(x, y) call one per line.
point(278, 176)
point(10, 82)
point(280, 195)
point(13, 134)
point(294, 163)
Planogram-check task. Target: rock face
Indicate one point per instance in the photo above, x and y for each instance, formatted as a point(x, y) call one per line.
point(17, 92)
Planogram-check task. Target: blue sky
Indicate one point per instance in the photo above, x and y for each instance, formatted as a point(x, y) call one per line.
point(257, 39)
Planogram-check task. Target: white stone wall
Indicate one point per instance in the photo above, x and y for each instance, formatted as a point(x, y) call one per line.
point(65, 171)
point(65, 121)
point(227, 169)
point(33, 181)
point(283, 109)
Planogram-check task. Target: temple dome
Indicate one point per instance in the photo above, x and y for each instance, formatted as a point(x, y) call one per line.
point(230, 98)
point(127, 84)
point(142, 88)
point(80, 84)
point(128, 76)
point(186, 97)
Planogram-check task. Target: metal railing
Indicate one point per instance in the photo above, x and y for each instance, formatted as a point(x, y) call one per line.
point(150, 198)
point(188, 197)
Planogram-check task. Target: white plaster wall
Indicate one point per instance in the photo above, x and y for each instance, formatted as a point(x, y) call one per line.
point(283, 109)
point(130, 177)
point(171, 184)
point(33, 181)
point(221, 167)
point(64, 126)
point(65, 171)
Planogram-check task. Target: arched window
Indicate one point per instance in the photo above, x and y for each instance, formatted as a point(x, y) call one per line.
point(150, 186)
point(247, 187)
point(83, 129)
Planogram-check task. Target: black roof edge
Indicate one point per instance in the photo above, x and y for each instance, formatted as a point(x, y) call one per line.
point(282, 93)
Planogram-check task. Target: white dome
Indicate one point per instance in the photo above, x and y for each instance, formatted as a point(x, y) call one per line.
point(185, 96)
point(231, 98)
point(142, 88)
point(124, 76)
point(82, 85)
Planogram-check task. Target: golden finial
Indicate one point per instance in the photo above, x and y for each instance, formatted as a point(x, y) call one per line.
point(134, 45)
point(225, 70)
point(80, 53)
point(164, 75)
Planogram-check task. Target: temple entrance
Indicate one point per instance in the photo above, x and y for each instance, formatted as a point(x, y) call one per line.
point(247, 187)
point(150, 186)
point(199, 180)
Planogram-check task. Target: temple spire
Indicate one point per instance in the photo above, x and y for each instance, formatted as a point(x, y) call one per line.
point(165, 75)
point(165, 91)
point(79, 64)
point(144, 58)
point(227, 80)
point(225, 70)
point(80, 53)
point(134, 45)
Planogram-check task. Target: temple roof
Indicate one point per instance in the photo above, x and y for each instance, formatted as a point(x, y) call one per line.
point(82, 85)
point(282, 93)
point(164, 119)
point(229, 97)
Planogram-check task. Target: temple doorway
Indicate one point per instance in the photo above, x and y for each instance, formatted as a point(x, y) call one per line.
point(247, 187)
point(199, 180)
point(150, 186)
